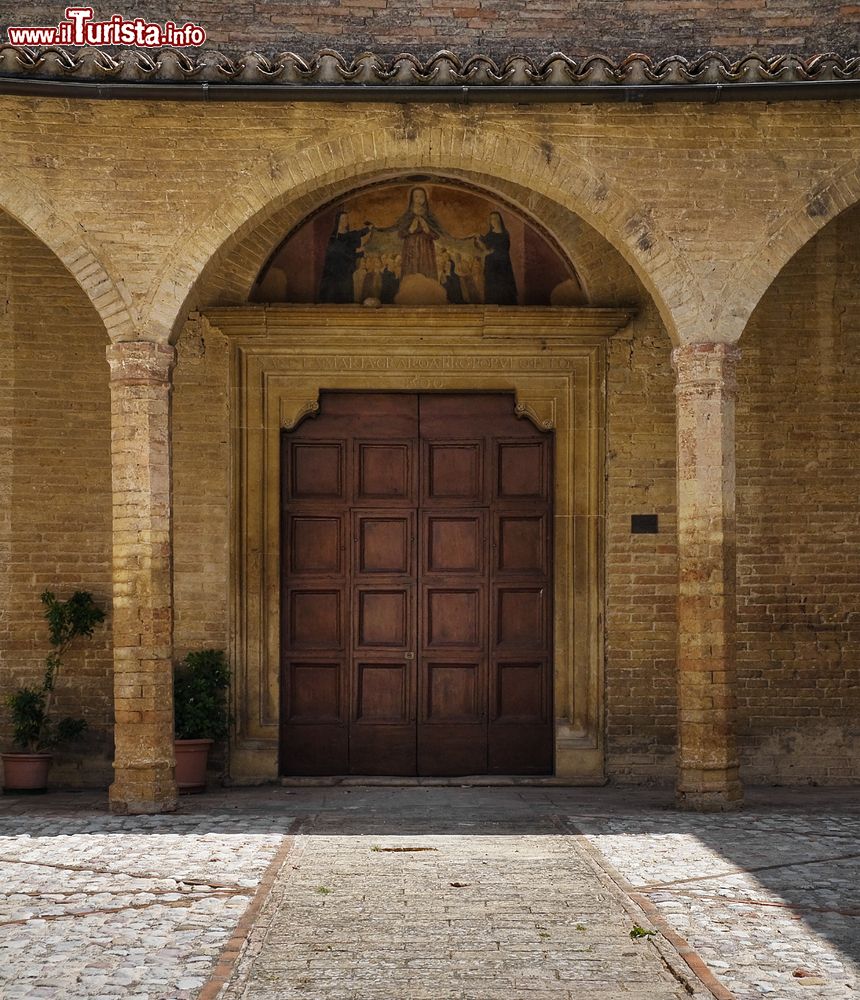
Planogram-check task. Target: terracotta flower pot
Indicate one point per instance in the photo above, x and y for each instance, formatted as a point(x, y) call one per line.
point(191, 759)
point(26, 773)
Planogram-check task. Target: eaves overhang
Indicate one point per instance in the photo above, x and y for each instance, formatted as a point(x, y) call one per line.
point(211, 75)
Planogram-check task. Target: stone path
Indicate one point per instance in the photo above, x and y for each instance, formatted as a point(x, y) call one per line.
point(482, 911)
point(506, 897)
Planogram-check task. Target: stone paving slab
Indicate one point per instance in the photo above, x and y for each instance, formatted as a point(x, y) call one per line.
point(758, 895)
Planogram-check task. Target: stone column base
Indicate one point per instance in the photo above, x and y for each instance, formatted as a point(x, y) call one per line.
point(143, 790)
point(718, 790)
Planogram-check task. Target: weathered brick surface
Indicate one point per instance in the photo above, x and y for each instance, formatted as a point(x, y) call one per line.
point(798, 686)
point(142, 585)
point(653, 181)
point(55, 492)
point(667, 185)
point(641, 570)
point(201, 469)
point(799, 519)
point(201, 487)
point(705, 391)
point(497, 27)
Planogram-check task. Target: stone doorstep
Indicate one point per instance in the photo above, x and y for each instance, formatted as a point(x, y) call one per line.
point(459, 781)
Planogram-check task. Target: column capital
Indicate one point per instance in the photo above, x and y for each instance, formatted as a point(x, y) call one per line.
point(706, 368)
point(140, 362)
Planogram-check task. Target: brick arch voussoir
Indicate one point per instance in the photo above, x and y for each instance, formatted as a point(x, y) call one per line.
point(22, 201)
point(801, 221)
point(629, 228)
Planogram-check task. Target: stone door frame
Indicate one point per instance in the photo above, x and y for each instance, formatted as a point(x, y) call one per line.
point(553, 360)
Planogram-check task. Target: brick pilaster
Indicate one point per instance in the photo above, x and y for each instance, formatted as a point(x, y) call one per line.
point(705, 398)
point(142, 595)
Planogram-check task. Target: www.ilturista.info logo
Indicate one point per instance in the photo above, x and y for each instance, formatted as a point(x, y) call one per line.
point(80, 28)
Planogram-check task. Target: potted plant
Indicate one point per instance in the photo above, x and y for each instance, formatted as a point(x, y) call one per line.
point(34, 731)
point(200, 684)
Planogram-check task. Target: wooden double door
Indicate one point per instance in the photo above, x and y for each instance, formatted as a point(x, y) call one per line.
point(416, 603)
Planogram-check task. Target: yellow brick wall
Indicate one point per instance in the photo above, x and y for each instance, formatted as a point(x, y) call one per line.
point(670, 182)
point(201, 463)
point(798, 433)
point(55, 492)
point(641, 570)
point(798, 515)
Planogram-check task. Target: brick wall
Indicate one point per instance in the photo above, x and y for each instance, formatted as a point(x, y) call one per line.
point(799, 518)
point(798, 639)
point(798, 483)
point(641, 570)
point(55, 491)
point(809, 308)
point(502, 27)
point(201, 464)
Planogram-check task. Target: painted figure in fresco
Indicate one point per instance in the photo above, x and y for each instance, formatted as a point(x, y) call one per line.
point(341, 260)
point(500, 286)
point(419, 231)
point(471, 279)
point(372, 284)
point(451, 282)
point(390, 281)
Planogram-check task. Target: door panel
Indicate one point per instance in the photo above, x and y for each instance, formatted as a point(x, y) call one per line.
point(454, 618)
point(454, 473)
point(416, 602)
point(454, 543)
point(383, 619)
point(385, 473)
point(314, 619)
point(522, 543)
point(520, 618)
point(384, 543)
point(317, 471)
point(522, 470)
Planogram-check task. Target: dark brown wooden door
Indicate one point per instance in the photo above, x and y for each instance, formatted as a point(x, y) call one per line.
point(416, 611)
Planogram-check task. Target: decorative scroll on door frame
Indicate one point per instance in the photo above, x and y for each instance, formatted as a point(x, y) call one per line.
point(553, 360)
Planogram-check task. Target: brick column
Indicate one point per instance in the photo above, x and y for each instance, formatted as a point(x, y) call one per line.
point(707, 756)
point(142, 594)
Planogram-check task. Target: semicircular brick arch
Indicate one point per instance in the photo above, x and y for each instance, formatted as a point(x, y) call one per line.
point(791, 231)
point(230, 277)
point(307, 176)
point(23, 202)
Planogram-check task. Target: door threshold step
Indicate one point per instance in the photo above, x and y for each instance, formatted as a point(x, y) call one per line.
point(461, 781)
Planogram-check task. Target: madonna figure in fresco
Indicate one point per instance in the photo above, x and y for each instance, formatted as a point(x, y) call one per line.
point(419, 231)
point(341, 260)
point(500, 285)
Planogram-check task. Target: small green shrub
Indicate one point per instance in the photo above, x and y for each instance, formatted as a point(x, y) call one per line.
point(200, 685)
point(33, 729)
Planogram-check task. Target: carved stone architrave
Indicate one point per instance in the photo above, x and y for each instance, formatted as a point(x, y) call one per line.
point(553, 360)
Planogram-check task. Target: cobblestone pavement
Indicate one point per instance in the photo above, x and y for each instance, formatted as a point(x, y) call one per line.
point(111, 907)
point(508, 899)
point(759, 895)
